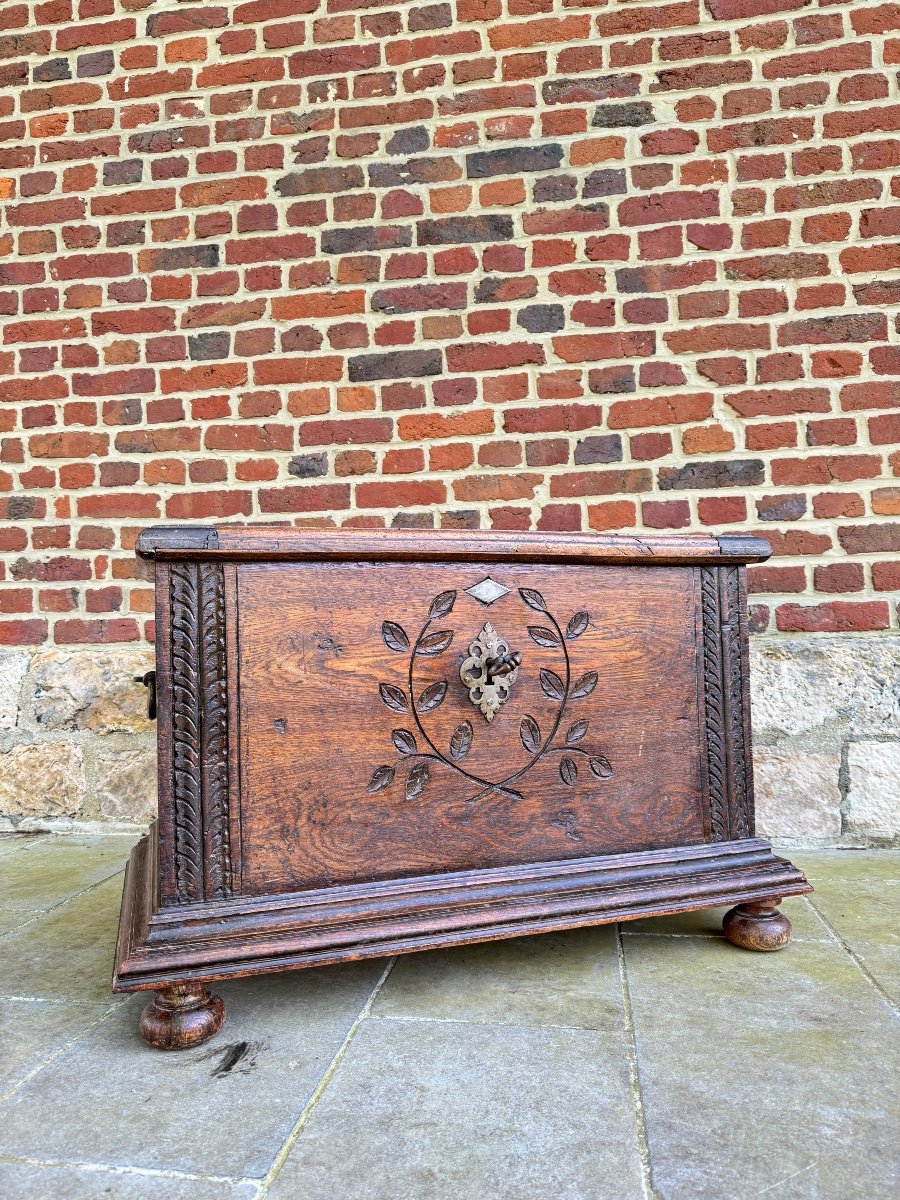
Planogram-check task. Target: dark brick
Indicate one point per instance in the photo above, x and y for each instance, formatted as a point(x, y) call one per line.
point(819, 331)
point(400, 364)
point(599, 448)
point(611, 381)
point(607, 182)
point(308, 466)
point(203, 346)
point(126, 233)
point(431, 16)
point(318, 180)
point(513, 160)
point(125, 170)
point(102, 62)
point(365, 237)
point(741, 472)
point(179, 258)
point(23, 508)
point(413, 520)
point(621, 116)
point(422, 297)
point(501, 289)
point(781, 508)
point(166, 141)
point(555, 187)
point(463, 230)
point(542, 318)
point(51, 71)
point(589, 89)
point(408, 141)
point(414, 170)
point(870, 539)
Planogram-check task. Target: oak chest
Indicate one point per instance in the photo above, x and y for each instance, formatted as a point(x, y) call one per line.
point(376, 742)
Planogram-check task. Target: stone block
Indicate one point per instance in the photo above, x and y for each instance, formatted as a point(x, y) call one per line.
point(12, 671)
point(93, 691)
point(874, 795)
point(123, 783)
point(43, 780)
point(847, 685)
point(797, 793)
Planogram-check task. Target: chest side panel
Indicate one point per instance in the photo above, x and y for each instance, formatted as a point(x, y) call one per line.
point(363, 756)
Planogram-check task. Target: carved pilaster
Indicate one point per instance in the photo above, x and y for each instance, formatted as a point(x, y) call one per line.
point(200, 732)
point(729, 794)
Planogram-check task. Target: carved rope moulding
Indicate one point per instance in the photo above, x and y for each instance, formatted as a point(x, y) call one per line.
point(420, 754)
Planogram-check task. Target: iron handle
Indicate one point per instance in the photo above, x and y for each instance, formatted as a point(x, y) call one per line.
point(148, 679)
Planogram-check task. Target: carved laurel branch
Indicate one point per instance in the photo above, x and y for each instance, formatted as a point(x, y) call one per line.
point(556, 688)
point(200, 733)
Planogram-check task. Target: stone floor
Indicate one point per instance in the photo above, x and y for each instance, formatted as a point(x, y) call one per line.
point(655, 1061)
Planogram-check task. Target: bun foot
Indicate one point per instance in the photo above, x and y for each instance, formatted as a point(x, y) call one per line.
point(757, 926)
point(181, 1017)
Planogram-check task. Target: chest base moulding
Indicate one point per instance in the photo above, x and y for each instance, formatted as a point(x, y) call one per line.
point(372, 743)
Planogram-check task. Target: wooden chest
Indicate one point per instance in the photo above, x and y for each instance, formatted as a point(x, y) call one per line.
point(376, 742)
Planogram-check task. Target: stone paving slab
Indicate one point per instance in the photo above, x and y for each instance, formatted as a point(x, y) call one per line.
point(425, 1110)
point(50, 870)
point(39, 1182)
point(567, 979)
point(221, 1109)
point(68, 952)
point(31, 1030)
point(818, 865)
point(14, 918)
point(509, 1071)
point(764, 1072)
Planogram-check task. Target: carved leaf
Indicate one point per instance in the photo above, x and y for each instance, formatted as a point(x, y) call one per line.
point(461, 742)
point(382, 778)
point(394, 636)
point(585, 685)
point(530, 734)
point(542, 636)
point(435, 643)
point(568, 771)
point(432, 696)
point(577, 625)
point(416, 780)
point(533, 599)
point(551, 684)
point(393, 697)
point(441, 605)
point(600, 766)
point(404, 741)
point(576, 732)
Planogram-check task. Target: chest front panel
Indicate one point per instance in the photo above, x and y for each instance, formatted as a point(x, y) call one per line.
point(364, 754)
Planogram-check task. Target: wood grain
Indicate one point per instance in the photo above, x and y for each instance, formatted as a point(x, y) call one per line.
point(314, 728)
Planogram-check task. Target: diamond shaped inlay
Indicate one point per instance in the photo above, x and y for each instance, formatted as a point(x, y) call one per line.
point(487, 591)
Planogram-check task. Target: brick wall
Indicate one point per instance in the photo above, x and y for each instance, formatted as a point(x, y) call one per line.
point(497, 263)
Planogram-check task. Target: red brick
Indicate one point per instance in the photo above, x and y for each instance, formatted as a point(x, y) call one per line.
point(835, 616)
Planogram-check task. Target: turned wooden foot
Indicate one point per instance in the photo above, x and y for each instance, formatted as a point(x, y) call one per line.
point(757, 926)
point(181, 1017)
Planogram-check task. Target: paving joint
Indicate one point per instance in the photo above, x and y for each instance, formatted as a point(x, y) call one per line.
point(848, 949)
point(637, 1103)
point(300, 1124)
point(117, 1169)
point(61, 1049)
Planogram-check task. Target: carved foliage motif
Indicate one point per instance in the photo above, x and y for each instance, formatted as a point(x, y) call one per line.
point(200, 733)
point(559, 688)
point(723, 684)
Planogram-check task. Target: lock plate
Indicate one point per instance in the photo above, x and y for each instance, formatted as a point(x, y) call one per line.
point(490, 671)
